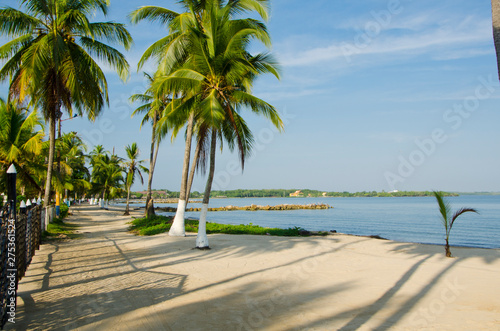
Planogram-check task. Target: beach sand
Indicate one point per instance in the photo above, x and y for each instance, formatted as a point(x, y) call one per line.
point(113, 280)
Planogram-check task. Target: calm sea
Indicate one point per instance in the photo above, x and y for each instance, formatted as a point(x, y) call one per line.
point(414, 219)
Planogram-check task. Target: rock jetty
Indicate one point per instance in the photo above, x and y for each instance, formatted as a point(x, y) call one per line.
point(256, 207)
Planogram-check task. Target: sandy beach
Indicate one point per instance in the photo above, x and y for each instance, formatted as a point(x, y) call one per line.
point(112, 280)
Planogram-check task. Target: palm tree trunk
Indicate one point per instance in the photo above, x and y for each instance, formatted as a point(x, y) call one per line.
point(495, 10)
point(447, 248)
point(52, 147)
point(128, 200)
point(150, 209)
point(202, 239)
point(178, 228)
point(192, 172)
point(150, 206)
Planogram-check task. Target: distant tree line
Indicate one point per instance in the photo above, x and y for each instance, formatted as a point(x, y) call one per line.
point(284, 193)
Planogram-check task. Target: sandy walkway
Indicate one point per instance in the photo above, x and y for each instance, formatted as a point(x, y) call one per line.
point(112, 280)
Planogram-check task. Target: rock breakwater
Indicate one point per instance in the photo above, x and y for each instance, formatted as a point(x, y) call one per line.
point(256, 207)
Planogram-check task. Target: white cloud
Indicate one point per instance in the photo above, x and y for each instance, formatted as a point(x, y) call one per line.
point(451, 39)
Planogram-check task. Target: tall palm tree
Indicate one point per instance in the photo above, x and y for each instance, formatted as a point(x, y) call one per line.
point(21, 143)
point(495, 11)
point(447, 219)
point(217, 78)
point(152, 107)
point(132, 168)
point(52, 59)
point(186, 59)
point(166, 52)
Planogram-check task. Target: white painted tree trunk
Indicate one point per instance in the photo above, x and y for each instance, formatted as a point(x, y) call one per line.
point(101, 203)
point(202, 239)
point(178, 228)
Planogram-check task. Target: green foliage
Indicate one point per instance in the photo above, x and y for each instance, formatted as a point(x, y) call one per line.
point(63, 211)
point(51, 57)
point(161, 224)
point(73, 175)
point(107, 171)
point(21, 145)
point(59, 229)
point(285, 193)
point(447, 219)
point(277, 193)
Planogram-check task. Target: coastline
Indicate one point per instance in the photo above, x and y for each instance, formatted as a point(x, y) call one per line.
point(402, 219)
point(113, 279)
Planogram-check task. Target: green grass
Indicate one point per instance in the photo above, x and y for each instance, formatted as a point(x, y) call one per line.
point(60, 230)
point(161, 224)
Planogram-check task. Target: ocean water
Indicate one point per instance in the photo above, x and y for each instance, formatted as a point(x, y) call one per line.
point(411, 219)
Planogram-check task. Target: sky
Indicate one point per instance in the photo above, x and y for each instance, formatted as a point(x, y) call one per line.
point(375, 95)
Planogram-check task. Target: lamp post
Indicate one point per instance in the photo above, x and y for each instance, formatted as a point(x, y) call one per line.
point(11, 189)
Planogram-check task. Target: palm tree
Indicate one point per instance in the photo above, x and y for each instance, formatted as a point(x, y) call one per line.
point(187, 62)
point(153, 107)
point(166, 51)
point(132, 168)
point(107, 176)
point(96, 157)
point(51, 59)
point(218, 78)
point(74, 175)
point(21, 144)
point(445, 211)
point(495, 10)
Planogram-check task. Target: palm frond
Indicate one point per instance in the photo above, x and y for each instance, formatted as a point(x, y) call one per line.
point(259, 107)
point(153, 14)
point(111, 32)
point(460, 212)
point(241, 6)
point(14, 22)
point(108, 55)
point(444, 209)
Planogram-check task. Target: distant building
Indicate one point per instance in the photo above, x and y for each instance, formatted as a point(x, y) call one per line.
point(296, 194)
point(324, 194)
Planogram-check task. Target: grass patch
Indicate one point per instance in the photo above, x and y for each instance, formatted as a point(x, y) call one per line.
point(60, 230)
point(161, 224)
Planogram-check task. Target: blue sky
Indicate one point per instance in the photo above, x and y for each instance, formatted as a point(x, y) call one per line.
point(375, 95)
